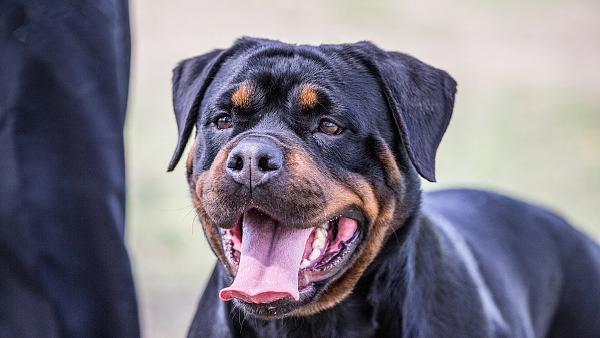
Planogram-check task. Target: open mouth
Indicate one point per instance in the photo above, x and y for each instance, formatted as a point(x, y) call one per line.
point(271, 262)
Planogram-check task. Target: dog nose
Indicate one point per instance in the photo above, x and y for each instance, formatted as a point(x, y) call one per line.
point(253, 162)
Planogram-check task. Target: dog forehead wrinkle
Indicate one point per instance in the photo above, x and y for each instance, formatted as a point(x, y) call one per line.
point(269, 123)
point(294, 68)
point(297, 54)
point(276, 77)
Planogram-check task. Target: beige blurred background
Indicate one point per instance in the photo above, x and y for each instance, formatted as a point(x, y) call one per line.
point(526, 121)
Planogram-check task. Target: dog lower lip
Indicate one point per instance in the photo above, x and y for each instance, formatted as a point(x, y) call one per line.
point(327, 250)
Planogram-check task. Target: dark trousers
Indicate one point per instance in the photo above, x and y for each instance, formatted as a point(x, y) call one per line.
point(64, 73)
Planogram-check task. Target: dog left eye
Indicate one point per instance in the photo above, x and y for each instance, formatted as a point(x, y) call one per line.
point(328, 127)
point(223, 122)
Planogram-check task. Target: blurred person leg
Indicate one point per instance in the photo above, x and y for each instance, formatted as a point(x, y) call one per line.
point(64, 72)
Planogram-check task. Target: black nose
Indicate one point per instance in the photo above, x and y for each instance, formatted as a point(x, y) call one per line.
point(253, 162)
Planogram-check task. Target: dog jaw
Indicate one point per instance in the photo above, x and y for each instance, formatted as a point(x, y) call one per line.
point(352, 190)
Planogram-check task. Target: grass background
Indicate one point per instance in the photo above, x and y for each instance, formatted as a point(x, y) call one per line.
point(526, 120)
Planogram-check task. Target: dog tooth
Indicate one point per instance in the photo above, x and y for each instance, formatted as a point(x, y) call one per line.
point(319, 242)
point(320, 235)
point(305, 263)
point(314, 254)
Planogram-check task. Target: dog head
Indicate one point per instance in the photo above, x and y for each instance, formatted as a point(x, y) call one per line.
point(305, 160)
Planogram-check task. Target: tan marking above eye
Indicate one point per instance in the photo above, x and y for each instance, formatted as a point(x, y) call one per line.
point(242, 95)
point(308, 97)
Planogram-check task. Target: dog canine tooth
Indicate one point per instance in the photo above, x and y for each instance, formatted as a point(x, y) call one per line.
point(305, 263)
point(314, 254)
point(318, 243)
point(321, 233)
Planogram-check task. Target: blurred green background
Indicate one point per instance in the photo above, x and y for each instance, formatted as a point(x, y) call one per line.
point(526, 120)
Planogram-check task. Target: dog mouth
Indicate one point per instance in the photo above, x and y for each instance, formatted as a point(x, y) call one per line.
point(276, 264)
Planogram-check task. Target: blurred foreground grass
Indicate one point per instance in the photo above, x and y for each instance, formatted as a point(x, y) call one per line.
point(526, 120)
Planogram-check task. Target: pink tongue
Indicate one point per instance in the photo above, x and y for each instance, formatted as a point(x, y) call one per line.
point(269, 262)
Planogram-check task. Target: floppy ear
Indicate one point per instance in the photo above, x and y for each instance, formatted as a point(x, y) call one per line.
point(190, 80)
point(420, 98)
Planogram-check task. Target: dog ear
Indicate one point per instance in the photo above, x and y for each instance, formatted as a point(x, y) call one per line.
point(420, 98)
point(191, 78)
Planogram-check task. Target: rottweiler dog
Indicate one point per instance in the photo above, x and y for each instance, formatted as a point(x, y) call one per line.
point(305, 174)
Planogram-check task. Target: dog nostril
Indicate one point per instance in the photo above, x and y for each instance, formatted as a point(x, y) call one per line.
point(235, 163)
point(267, 164)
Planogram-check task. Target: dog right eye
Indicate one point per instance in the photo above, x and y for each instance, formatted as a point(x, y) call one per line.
point(223, 121)
point(328, 127)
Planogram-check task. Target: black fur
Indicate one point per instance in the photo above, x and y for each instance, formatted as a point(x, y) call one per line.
point(461, 263)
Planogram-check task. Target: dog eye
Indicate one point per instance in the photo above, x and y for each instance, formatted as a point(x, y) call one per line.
point(329, 128)
point(223, 122)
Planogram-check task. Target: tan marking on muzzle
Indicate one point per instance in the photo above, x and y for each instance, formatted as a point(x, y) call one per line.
point(345, 284)
point(339, 195)
point(392, 173)
point(189, 163)
point(383, 218)
point(197, 185)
